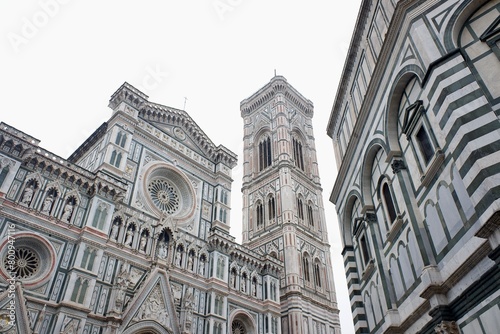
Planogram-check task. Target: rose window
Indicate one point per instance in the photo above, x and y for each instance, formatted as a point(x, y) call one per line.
point(26, 263)
point(238, 328)
point(164, 195)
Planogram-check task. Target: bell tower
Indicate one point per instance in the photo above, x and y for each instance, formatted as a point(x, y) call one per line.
point(283, 212)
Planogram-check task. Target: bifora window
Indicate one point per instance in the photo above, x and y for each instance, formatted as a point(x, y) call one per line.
point(265, 153)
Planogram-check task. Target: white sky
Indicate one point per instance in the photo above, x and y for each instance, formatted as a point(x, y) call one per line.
point(62, 60)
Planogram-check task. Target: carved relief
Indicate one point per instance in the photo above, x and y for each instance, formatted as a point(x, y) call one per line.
point(154, 308)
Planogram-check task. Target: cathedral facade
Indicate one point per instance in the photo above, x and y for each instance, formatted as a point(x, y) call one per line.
point(416, 133)
point(130, 234)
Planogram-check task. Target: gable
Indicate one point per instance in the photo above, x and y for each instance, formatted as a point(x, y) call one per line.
point(152, 307)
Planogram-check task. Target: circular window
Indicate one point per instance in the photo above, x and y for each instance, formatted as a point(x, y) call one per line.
point(23, 260)
point(164, 195)
point(26, 263)
point(238, 328)
point(168, 191)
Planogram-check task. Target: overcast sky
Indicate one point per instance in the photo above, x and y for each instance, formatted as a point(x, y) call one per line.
point(62, 60)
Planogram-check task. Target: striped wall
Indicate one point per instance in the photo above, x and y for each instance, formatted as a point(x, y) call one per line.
point(436, 264)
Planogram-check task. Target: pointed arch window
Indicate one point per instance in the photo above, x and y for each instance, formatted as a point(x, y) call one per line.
point(297, 153)
point(305, 268)
point(3, 174)
point(317, 274)
point(265, 154)
point(219, 305)
point(116, 158)
point(260, 215)
point(310, 215)
point(221, 263)
point(100, 216)
point(271, 207)
point(388, 202)
point(273, 291)
point(418, 130)
point(88, 258)
point(79, 290)
point(300, 209)
point(121, 139)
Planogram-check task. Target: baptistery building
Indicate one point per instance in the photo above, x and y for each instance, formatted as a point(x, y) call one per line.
point(130, 234)
point(416, 134)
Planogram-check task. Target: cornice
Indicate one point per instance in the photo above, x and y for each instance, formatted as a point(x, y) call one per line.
point(393, 32)
point(349, 64)
point(277, 84)
point(89, 143)
point(241, 253)
point(152, 112)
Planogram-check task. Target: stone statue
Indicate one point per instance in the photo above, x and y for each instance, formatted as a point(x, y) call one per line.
point(47, 204)
point(68, 210)
point(202, 267)
point(162, 250)
point(243, 284)
point(188, 307)
point(28, 195)
point(178, 258)
point(114, 231)
point(254, 288)
point(233, 279)
point(190, 261)
point(142, 243)
point(129, 238)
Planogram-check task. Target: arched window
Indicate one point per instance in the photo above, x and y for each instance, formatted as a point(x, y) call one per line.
point(310, 215)
point(3, 174)
point(116, 158)
point(297, 153)
point(265, 154)
point(317, 274)
point(260, 215)
point(221, 263)
point(79, 290)
point(273, 291)
point(418, 130)
point(88, 258)
point(121, 139)
point(305, 268)
point(219, 304)
point(217, 328)
point(100, 216)
point(271, 208)
point(300, 209)
point(388, 202)
point(223, 215)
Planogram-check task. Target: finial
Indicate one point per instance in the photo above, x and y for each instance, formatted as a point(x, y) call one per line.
point(274, 72)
